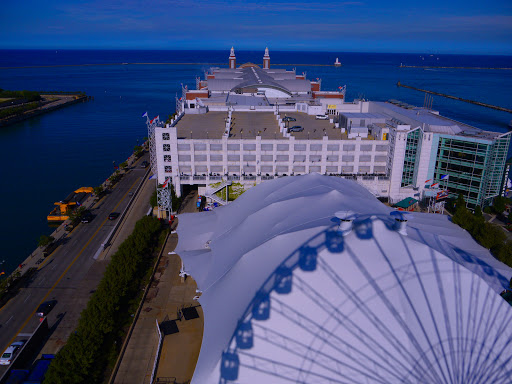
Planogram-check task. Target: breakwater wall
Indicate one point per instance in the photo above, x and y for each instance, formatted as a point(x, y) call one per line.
point(442, 67)
point(399, 84)
point(62, 102)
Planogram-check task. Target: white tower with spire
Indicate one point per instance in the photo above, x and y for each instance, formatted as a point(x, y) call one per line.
point(266, 60)
point(232, 59)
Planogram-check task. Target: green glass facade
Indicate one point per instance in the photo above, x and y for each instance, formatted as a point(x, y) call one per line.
point(475, 168)
point(411, 154)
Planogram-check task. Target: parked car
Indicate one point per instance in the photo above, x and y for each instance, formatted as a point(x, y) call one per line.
point(113, 215)
point(321, 117)
point(11, 352)
point(144, 164)
point(45, 308)
point(86, 217)
point(296, 128)
point(289, 118)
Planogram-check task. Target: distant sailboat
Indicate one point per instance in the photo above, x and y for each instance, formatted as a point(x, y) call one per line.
point(337, 63)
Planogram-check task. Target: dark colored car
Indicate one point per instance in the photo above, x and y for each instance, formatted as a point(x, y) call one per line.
point(296, 128)
point(113, 215)
point(289, 118)
point(45, 308)
point(144, 164)
point(86, 217)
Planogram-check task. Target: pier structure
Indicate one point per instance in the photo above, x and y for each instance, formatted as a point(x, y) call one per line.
point(248, 125)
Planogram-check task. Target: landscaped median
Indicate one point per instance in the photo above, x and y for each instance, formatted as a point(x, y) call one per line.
point(92, 349)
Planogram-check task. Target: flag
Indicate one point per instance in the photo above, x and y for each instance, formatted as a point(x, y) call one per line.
point(156, 118)
point(166, 183)
point(145, 114)
point(152, 177)
point(445, 177)
point(428, 181)
point(442, 195)
point(339, 87)
point(435, 185)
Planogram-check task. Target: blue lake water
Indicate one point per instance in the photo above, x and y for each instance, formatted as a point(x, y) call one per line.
point(45, 158)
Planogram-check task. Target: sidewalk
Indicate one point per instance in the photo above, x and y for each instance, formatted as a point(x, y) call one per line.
point(167, 294)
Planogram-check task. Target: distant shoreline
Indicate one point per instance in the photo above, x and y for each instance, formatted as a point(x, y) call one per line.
point(105, 64)
point(58, 102)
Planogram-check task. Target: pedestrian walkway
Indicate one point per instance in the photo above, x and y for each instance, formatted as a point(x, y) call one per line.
point(167, 295)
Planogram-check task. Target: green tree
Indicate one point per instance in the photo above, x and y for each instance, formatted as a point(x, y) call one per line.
point(123, 165)
point(498, 205)
point(98, 191)
point(45, 240)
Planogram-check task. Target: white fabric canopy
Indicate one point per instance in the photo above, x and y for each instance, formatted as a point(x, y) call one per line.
point(287, 298)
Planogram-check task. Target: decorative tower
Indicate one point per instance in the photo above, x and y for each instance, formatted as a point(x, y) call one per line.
point(232, 59)
point(266, 60)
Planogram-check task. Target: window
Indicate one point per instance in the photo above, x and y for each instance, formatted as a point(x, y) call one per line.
point(267, 158)
point(199, 147)
point(167, 147)
point(333, 147)
point(215, 157)
point(233, 157)
point(282, 157)
point(332, 157)
point(233, 147)
point(215, 147)
point(249, 157)
point(249, 147)
point(366, 148)
point(168, 169)
point(200, 158)
point(318, 147)
point(300, 147)
point(349, 147)
point(167, 158)
point(267, 147)
point(347, 158)
point(183, 147)
point(165, 136)
point(365, 158)
point(282, 147)
point(184, 157)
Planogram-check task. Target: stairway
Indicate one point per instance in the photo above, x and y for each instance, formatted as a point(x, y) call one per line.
point(211, 192)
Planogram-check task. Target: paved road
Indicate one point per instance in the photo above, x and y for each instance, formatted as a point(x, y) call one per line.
point(71, 274)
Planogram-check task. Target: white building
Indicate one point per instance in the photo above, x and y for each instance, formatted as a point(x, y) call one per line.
point(233, 128)
point(292, 294)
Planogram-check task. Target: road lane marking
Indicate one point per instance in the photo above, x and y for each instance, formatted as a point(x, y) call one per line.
point(6, 324)
point(27, 297)
point(66, 270)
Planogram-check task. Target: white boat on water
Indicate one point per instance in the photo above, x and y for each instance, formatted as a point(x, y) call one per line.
point(337, 63)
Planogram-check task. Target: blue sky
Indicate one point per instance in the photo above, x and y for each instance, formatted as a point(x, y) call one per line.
point(480, 27)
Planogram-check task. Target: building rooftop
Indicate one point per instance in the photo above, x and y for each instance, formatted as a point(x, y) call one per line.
point(435, 123)
point(244, 125)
